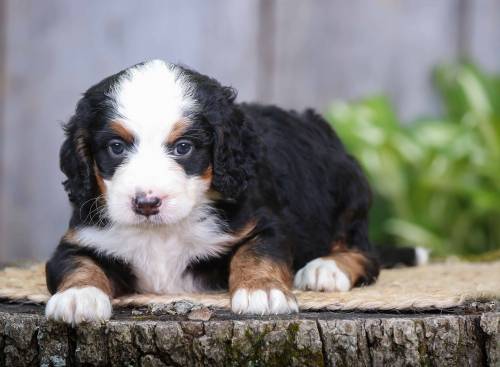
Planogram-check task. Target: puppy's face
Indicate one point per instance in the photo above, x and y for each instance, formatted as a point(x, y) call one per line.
point(152, 175)
point(152, 157)
point(153, 142)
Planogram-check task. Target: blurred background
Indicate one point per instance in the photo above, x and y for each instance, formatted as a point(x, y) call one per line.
point(388, 74)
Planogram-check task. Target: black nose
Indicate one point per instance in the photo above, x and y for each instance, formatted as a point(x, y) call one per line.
point(146, 205)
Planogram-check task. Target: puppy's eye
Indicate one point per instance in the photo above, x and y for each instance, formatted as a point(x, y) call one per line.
point(116, 148)
point(183, 148)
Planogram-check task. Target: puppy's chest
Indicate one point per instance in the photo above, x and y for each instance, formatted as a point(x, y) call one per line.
point(160, 266)
point(159, 258)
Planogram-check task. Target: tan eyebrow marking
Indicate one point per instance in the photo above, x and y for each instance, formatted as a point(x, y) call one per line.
point(177, 130)
point(122, 131)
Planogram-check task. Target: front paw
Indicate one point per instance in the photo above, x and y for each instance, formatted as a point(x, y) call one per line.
point(76, 305)
point(263, 301)
point(322, 274)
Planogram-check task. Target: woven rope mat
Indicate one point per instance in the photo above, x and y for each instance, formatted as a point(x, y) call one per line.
point(436, 286)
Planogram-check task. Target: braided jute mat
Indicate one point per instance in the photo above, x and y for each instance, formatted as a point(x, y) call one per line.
point(435, 286)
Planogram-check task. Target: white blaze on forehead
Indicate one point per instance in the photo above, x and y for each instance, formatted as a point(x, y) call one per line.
point(151, 98)
point(149, 101)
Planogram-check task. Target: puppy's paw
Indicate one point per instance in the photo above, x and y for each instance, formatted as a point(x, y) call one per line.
point(322, 275)
point(263, 302)
point(76, 305)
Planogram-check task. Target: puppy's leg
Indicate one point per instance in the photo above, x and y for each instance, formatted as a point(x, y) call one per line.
point(81, 289)
point(260, 284)
point(339, 271)
point(351, 260)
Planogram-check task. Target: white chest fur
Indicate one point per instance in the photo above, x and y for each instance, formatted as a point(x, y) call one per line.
point(159, 255)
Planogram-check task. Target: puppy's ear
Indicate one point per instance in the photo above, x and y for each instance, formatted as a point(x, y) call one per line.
point(233, 149)
point(76, 163)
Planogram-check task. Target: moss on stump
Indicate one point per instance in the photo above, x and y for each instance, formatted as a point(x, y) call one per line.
point(462, 337)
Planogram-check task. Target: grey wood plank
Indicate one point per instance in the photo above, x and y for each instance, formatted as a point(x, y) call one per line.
point(337, 49)
point(266, 38)
point(56, 49)
point(2, 98)
point(484, 33)
point(292, 52)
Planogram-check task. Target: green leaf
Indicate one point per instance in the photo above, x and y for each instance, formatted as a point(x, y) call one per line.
point(436, 180)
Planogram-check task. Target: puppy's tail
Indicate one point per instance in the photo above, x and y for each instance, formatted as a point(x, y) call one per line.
point(391, 256)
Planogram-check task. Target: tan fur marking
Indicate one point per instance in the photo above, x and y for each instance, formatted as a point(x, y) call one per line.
point(177, 131)
point(214, 195)
point(69, 236)
point(208, 174)
point(244, 231)
point(100, 180)
point(339, 246)
point(352, 263)
point(87, 274)
point(122, 131)
point(252, 272)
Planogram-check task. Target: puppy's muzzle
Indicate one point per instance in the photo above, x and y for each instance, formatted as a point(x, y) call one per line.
point(146, 205)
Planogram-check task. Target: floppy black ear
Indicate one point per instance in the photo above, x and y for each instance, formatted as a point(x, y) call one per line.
point(233, 149)
point(76, 164)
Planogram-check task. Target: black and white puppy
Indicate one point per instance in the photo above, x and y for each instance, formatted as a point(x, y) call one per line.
point(177, 188)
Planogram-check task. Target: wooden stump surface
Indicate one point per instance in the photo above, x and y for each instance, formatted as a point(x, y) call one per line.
point(185, 336)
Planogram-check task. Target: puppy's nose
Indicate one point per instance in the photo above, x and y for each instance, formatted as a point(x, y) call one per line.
point(146, 205)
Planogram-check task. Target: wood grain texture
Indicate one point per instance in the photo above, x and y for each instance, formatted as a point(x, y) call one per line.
point(3, 247)
point(306, 339)
point(327, 50)
point(292, 52)
point(484, 33)
point(57, 49)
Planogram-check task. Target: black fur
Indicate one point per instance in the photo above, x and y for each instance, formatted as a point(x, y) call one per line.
point(233, 138)
point(286, 171)
point(78, 152)
point(63, 262)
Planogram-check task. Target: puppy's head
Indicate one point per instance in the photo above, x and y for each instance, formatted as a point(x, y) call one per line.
point(153, 142)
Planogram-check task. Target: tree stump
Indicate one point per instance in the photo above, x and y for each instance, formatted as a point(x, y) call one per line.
point(201, 337)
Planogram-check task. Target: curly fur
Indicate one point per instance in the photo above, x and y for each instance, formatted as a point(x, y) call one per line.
point(268, 192)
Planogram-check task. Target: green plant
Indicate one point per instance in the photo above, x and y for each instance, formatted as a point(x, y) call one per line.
point(436, 181)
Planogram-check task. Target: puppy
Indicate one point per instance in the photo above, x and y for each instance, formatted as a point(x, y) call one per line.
point(177, 188)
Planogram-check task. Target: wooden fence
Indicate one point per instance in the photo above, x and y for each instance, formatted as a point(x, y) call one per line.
point(293, 52)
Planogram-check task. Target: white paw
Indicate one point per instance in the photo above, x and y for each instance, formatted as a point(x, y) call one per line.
point(322, 275)
point(76, 305)
point(262, 302)
point(422, 255)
